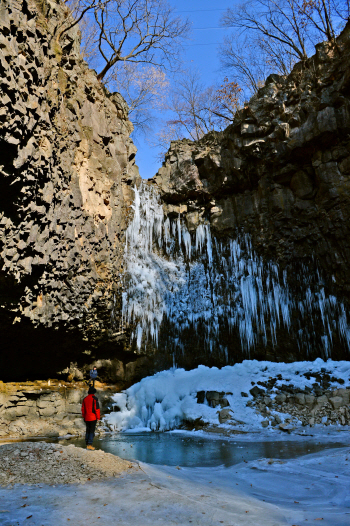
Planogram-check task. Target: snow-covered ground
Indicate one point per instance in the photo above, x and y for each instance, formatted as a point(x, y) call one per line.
point(165, 400)
point(262, 492)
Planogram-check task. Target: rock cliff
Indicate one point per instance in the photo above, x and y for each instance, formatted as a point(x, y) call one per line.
point(67, 166)
point(47, 408)
point(280, 171)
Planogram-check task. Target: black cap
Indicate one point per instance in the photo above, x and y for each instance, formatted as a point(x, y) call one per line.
point(92, 390)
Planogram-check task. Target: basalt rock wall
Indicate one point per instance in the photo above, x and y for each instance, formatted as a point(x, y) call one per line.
point(67, 167)
point(280, 171)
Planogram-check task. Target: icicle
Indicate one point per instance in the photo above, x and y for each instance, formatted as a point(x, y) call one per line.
point(215, 287)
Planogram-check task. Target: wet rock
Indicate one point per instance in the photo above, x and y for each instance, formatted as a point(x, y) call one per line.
point(286, 427)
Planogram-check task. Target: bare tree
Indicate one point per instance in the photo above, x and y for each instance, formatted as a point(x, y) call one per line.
point(247, 60)
point(196, 109)
point(276, 34)
point(142, 31)
point(342, 9)
point(318, 13)
point(76, 14)
point(191, 103)
point(276, 20)
point(326, 17)
point(144, 88)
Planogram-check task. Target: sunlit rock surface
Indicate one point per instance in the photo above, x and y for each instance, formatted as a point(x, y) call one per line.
point(66, 170)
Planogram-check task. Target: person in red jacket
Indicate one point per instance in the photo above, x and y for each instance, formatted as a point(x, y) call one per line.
point(91, 413)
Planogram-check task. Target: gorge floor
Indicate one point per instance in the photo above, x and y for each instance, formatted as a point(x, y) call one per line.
point(264, 492)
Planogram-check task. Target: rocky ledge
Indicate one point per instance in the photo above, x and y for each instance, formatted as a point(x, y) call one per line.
point(50, 408)
point(41, 463)
point(291, 407)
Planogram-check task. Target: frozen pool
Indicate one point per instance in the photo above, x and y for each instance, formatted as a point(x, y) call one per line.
point(180, 449)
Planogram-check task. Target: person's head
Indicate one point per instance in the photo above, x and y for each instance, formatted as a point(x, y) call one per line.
point(92, 390)
point(94, 367)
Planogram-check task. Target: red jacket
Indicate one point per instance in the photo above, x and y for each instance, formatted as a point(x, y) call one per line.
point(90, 408)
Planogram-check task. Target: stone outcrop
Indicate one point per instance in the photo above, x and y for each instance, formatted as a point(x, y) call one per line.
point(280, 171)
point(67, 167)
point(44, 408)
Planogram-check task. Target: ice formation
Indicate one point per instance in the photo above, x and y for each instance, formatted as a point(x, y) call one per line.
point(196, 287)
point(167, 399)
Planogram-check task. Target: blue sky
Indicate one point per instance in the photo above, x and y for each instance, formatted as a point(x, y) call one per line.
point(200, 52)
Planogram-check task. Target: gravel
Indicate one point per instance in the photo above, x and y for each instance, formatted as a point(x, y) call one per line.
point(39, 462)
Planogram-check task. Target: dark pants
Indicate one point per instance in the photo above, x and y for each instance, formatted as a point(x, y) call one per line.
point(90, 432)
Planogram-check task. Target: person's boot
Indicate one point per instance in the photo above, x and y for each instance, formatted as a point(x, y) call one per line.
point(90, 447)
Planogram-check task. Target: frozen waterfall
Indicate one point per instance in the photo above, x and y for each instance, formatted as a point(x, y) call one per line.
point(183, 287)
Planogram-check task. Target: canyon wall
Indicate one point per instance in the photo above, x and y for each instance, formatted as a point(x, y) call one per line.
point(280, 173)
point(67, 168)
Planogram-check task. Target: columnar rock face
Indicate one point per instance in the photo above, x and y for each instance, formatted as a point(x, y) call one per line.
point(279, 177)
point(67, 169)
point(280, 172)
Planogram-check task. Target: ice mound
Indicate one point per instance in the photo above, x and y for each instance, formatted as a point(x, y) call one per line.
point(169, 398)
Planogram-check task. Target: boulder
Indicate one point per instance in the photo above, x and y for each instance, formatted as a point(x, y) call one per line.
point(267, 401)
point(321, 400)
point(344, 393)
point(299, 398)
point(225, 415)
point(200, 397)
point(280, 398)
point(256, 391)
point(309, 400)
point(337, 401)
